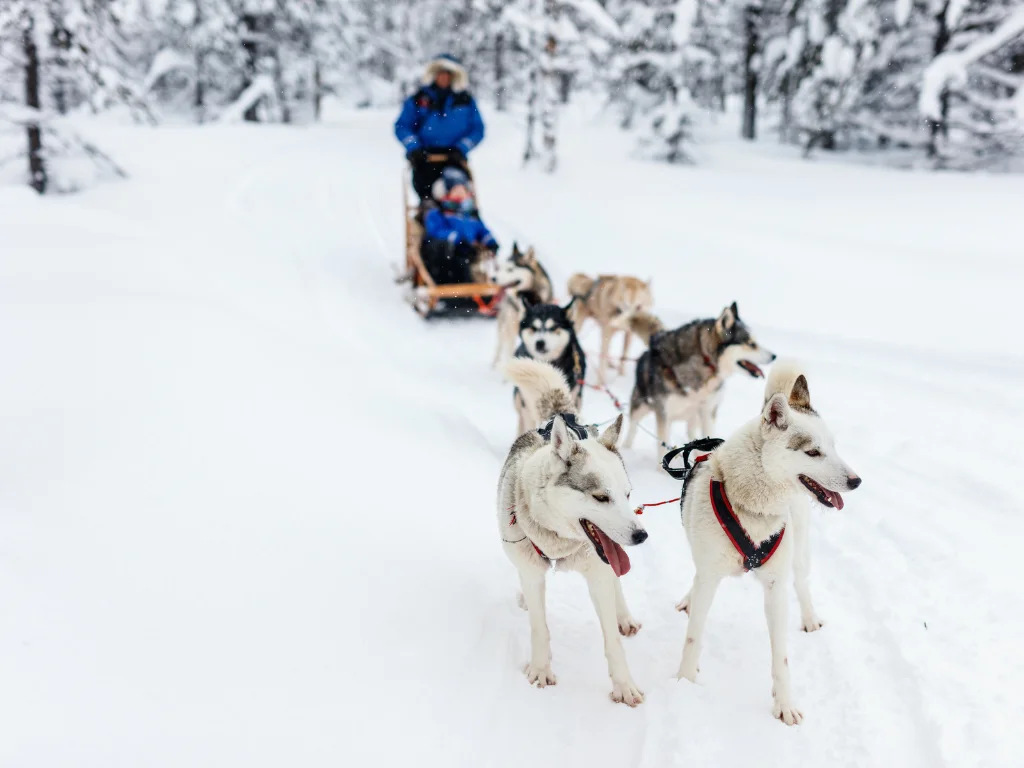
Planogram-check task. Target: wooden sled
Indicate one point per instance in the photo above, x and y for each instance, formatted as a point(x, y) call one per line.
point(427, 297)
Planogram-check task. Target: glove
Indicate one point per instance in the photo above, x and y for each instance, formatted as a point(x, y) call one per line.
point(416, 156)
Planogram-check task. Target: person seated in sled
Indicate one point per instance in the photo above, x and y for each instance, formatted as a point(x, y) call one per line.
point(453, 234)
point(441, 118)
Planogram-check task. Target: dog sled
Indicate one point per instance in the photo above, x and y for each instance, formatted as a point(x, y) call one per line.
point(428, 297)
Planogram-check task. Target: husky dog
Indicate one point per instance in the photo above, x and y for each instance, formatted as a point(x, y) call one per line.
point(546, 333)
point(681, 375)
point(611, 301)
point(754, 480)
point(523, 278)
point(563, 498)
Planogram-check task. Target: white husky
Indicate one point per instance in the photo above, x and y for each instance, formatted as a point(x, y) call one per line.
point(757, 478)
point(563, 498)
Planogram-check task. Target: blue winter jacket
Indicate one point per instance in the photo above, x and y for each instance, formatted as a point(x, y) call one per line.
point(457, 228)
point(430, 120)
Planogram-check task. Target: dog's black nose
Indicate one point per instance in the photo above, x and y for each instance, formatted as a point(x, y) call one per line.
point(774, 356)
point(639, 536)
point(541, 345)
point(854, 482)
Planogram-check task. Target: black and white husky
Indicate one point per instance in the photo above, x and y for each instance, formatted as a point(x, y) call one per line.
point(546, 333)
point(563, 500)
point(744, 508)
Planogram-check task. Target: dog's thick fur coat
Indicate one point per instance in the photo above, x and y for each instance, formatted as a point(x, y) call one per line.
point(681, 375)
point(568, 498)
point(612, 300)
point(546, 333)
point(524, 281)
point(767, 469)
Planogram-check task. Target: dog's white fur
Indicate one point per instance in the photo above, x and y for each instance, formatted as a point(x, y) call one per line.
point(516, 279)
point(760, 470)
point(548, 514)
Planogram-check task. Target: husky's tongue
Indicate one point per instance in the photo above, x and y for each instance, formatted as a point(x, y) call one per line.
point(617, 557)
point(835, 498)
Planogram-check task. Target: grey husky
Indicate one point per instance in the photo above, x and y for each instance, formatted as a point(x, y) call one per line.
point(681, 375)
point(563, 500)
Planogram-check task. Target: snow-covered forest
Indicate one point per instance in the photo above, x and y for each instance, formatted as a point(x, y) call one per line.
point(248, 493)
point(923, 83)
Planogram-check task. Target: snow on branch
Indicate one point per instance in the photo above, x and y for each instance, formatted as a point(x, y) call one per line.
point(166, 61)
point(596, 15)
point(262, 88)
point(950, 68)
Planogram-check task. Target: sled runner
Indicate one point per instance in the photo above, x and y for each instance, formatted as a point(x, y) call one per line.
point(427, 296)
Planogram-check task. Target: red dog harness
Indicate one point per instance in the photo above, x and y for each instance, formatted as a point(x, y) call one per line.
point(754, 556)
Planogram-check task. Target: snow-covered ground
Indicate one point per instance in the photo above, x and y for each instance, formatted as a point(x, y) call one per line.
point(246, 506)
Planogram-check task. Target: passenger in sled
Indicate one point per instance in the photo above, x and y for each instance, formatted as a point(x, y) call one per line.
point(439, 124)
point(456, 244)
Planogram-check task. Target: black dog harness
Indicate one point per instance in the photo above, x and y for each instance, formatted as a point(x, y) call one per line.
point(570, 421)
point(753, 556)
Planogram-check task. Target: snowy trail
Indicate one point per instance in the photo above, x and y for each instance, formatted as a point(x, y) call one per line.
point(248, 506)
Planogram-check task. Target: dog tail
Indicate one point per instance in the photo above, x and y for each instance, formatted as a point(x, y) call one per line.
point(580, 285)
point(781, 379)
point(645, 325)
point(542, 385)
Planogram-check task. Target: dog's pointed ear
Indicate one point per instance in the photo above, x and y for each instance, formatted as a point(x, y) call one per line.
point(800, 397)
point(525, 301)
point(776, 414)
point(735, 312)
point(562, 440)
point(610, 437)
point(726, 321)
point(568, 306)
point(515, 248)
point(531, 255)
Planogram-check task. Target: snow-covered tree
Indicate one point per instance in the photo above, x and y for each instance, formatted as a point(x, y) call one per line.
point(652, 73)
point(57, 56)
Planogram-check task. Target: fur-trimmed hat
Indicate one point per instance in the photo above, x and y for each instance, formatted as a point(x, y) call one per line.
point(447, 63)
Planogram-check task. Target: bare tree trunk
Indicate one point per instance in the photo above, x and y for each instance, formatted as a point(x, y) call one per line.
point(499, 72)
point(751, 23)
point(939, 127)
point(786, 126)
point(531, 115)
point(549, 88)
point(318, 90)
point(36, 164)
point(60, 40)
point(249, 45)
point(199, 101)
point(282, 92)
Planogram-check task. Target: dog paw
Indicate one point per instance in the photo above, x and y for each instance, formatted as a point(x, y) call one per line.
point(685, 673)
point(787, 713)
point(626, 693)
point(684, 604)
point(539, 676)
point(811, 623)
point(521, 601)
point(628, 626)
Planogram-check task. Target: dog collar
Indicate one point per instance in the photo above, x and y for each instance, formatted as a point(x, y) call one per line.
point(512, 521)
point(753, 556)
point(570, 421)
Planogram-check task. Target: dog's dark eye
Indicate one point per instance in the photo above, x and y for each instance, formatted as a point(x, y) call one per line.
point(815, 453)
point(602, 498)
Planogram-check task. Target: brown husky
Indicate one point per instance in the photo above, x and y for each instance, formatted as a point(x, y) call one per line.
point(612, 301)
